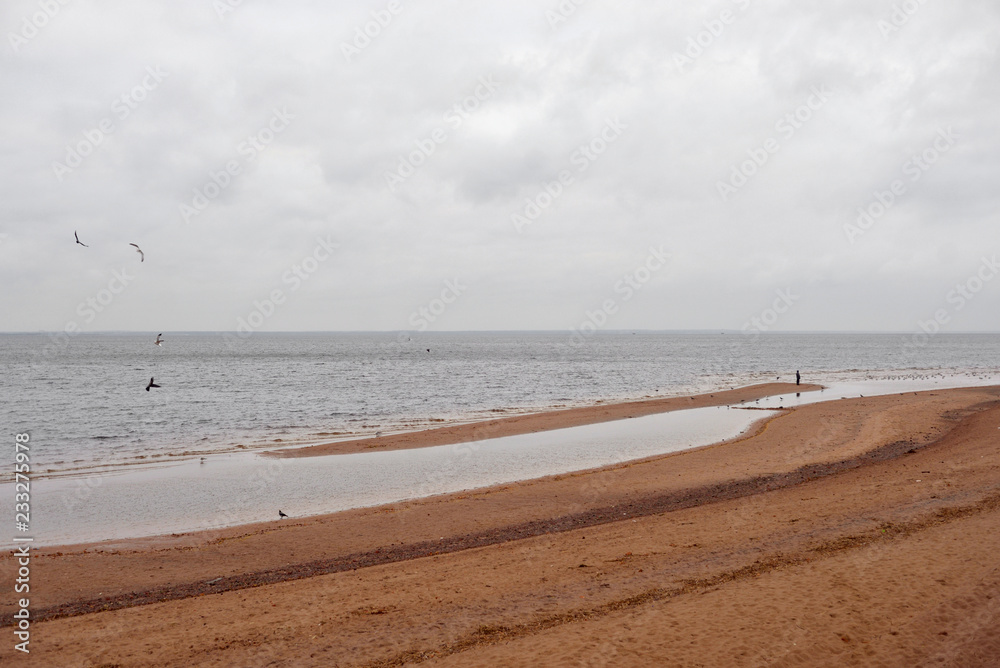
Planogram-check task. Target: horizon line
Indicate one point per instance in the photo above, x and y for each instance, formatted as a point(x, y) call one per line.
point(492, 331)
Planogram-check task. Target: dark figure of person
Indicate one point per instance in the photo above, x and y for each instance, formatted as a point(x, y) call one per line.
point(798, 378)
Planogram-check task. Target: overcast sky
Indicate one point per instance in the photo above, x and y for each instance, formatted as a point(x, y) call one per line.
point(515, 160)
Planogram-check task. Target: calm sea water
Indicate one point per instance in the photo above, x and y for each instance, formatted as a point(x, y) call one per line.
point(83, 398)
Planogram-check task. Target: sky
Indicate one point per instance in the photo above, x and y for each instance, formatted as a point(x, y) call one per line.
point(397, 165)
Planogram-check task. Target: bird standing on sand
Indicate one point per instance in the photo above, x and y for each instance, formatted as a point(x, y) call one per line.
point(142, 256)
point(151, 384)
point(78, 240)
point(281, 515)
point(158, 340)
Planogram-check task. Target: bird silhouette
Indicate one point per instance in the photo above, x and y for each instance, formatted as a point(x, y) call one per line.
point(281, 515)
point(151, 384)
point(142, 256)
point(158, 340)
point(78, 240)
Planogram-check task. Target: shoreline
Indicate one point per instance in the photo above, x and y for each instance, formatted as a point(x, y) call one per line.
point(353, 441)
point(546, 452)
point(823, 494)
point(203, 536)
point(459, 430)
point(527, 423)
point(542, 423)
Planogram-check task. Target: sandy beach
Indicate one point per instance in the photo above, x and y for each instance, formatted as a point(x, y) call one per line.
point(851, 532)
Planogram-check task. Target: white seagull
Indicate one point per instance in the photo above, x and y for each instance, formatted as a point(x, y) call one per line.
point(142, 257)
point(158, 340)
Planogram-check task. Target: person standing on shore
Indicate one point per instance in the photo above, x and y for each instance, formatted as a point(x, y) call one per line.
point(798, 378)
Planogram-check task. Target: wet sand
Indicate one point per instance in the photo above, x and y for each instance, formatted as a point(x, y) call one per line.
point(854, 532)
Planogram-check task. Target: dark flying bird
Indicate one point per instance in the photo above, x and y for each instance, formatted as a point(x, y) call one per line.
point(78, 240)
point(151, 384)
point(142, 257)
point(281, 515)
point(158, 340)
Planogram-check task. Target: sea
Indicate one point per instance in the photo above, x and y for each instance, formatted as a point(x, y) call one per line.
point(83, 400)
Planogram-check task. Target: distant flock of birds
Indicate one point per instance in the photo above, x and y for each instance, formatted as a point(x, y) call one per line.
point(159, 337)
point(142, 258)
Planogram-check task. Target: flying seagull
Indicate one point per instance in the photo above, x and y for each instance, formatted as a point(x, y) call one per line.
point(281, 515)
point(158, 340)
point(75, 236)
point(142, 258)
point(151, 384)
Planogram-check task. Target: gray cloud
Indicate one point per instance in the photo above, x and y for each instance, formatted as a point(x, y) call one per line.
point(700, 93)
